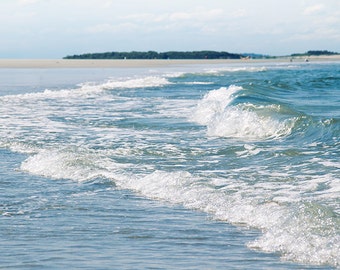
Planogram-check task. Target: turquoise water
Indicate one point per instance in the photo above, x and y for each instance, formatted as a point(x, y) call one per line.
point(188, 167)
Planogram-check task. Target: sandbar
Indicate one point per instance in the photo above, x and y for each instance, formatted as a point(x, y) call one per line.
point(75, 63)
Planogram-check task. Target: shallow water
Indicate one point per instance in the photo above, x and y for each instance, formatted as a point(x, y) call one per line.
point(196, 167)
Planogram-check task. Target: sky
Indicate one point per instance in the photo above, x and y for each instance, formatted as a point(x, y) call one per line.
point(52, 29)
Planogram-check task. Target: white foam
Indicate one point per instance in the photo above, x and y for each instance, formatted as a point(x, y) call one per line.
point(236, 198)
point(237, 69)
point(58, 165)
point(243, 124)
point(84, 90)
point(304, 234)
point(181, 108)
point(198, 83)
point(249, 150)
point(295, 235)
point(213, 103)
point(329, 163)
point(149, 81)
point(223, 120)
point(68, 164)
point(308, 236)
point(90, 89)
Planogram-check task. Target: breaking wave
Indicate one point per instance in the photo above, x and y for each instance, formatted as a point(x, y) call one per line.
point(241, 121)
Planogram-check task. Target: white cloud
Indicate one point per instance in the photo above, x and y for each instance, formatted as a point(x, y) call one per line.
point(240, 13)
point(198, 20)
point(313, 9)
point(199, 14)
point(176, 24)
point(28, 2)
point(142, 18)
point(180, 16)
point(108, 4)
point(112, 28)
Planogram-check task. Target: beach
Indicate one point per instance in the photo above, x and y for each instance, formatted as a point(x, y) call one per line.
point(94, 63)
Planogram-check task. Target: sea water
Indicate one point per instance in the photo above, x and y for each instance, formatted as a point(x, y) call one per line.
point(233, 166)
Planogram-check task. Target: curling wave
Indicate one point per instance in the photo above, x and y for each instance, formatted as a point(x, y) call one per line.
point(241, 121)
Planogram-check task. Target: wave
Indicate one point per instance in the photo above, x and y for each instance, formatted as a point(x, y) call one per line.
point(75, 164)
point(146, 144)
point(87, 89)
point(198, 83)
point(315, 242)
point(303, 232)
point(144, 82)
point(236, 69)
point(213, 103)
point(241, 121)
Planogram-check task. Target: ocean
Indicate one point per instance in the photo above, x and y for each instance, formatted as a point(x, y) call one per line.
point(216, 166)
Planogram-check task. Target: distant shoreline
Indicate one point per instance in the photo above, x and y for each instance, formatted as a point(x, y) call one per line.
point(77, 63)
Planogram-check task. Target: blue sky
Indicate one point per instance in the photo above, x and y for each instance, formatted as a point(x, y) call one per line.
point(56, 28)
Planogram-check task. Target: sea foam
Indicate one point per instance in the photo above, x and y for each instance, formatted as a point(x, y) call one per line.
point(303, 235)
point(89, 88)
point(223, 119)
point(145, 144)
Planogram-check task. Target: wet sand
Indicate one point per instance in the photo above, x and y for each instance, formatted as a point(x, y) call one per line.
point(73, 63)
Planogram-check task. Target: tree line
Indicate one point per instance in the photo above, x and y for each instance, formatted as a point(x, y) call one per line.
point(158, 55)
point(315, 53)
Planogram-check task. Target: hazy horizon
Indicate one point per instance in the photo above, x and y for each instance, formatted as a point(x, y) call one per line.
point(52, 29)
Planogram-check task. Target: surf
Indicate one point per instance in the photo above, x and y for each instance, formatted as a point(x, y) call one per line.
point(221, 115)
point(243, 147)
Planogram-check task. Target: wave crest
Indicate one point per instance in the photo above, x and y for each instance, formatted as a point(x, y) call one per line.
point(240, 121)
point(88, 88)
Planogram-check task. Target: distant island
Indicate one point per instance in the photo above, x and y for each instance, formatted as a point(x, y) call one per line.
point(189, 55)
point(315, 53)
point(158, 55)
